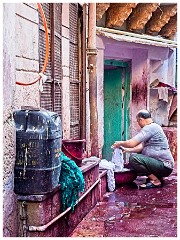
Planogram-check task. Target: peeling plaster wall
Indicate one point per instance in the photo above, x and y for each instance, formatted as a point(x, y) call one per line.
point(20, 63)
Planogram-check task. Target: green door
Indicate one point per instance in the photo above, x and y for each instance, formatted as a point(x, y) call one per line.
point(116, 104)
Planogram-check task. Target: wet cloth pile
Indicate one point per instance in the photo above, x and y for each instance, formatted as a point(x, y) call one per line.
point(115, 165)
point(71, 181)
point(118, 160)
point(110, 167)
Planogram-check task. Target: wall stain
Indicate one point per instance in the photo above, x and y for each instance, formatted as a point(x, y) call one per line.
point(139, 89)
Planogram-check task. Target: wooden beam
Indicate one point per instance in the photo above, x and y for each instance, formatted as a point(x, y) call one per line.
point(141, 15)
point(170, 29)
point(159, 18)
point(101, 9)
point(118, 13)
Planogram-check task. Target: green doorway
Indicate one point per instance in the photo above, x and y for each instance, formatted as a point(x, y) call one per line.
point(116, 104)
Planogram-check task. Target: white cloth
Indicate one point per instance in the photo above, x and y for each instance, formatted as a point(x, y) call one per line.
point(163, 93)
point(110, 167)
point(117, 159)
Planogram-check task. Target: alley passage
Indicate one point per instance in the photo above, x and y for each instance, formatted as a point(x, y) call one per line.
point(129, 212)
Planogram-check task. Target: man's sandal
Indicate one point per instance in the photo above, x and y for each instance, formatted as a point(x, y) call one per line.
point(160, 179)
point(149, 185)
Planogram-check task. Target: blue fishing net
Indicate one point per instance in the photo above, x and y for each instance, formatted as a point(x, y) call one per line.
point(72, 182)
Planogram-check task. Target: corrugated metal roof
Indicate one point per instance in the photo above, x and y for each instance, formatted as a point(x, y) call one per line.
point(135, 38)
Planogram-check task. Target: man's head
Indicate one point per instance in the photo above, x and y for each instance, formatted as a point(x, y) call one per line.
point(143, 117)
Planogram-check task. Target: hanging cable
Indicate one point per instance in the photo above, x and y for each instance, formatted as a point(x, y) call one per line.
point(47, 50)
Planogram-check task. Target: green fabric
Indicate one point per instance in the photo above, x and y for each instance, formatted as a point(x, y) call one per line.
point(71, 181)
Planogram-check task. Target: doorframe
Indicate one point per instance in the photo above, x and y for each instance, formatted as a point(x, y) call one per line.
point(125, 65)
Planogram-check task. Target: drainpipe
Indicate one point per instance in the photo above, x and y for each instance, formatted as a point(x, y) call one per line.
point(92, 53)
point(84, 68)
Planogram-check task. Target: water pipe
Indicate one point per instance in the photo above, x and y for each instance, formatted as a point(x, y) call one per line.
point(47, 50)
point(44, 227)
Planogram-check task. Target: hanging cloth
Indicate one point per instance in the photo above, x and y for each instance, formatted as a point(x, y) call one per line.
point(163, 93)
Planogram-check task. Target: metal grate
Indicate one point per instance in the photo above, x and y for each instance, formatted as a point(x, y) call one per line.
point(46, 9)
point(57, 59)
point(51, 95)
point(57, 102)
point(74, 102)
point(42, 51)
point(73, 23)
point(46, 97)
point(74, 73)
point(74, 65)
point(58, 18)
point(74, 132)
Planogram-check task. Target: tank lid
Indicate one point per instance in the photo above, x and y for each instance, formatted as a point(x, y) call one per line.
point(37, 124)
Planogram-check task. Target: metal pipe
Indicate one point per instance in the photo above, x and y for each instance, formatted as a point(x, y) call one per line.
point(23, 217)
point(83, 133)
point(44, 227)
point(92, 55)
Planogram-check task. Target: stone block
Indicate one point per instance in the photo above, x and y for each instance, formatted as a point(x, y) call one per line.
point(26, 38)
point(28, 11)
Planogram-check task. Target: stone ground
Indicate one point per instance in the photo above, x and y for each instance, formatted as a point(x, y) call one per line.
point(130, 212)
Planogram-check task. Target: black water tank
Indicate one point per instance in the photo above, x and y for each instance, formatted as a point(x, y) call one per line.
point(38, 148)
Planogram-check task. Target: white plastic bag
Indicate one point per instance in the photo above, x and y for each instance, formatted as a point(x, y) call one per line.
point(117, 159)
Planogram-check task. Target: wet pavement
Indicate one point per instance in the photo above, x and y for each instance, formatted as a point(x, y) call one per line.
point(130, 212)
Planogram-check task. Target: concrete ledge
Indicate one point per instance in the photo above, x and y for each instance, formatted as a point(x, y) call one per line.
point(37, 198)
point(88, 163)
point(42, 213)
point(102, 173)
point(103, 187)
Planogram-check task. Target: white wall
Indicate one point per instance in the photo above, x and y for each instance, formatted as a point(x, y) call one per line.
point(20, 63)
point(27, 55)
point(10, 227)
point(65, 68)
point(164, 70)
point(100, 98)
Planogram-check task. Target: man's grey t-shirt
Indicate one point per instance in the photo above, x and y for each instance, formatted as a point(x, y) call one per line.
point(155, 144)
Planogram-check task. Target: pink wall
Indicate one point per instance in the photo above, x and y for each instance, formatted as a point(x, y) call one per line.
point(139, 56)
point(139, 85)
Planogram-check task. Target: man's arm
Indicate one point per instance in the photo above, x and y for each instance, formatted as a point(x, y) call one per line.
point(136, 149)
point(131, 143)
